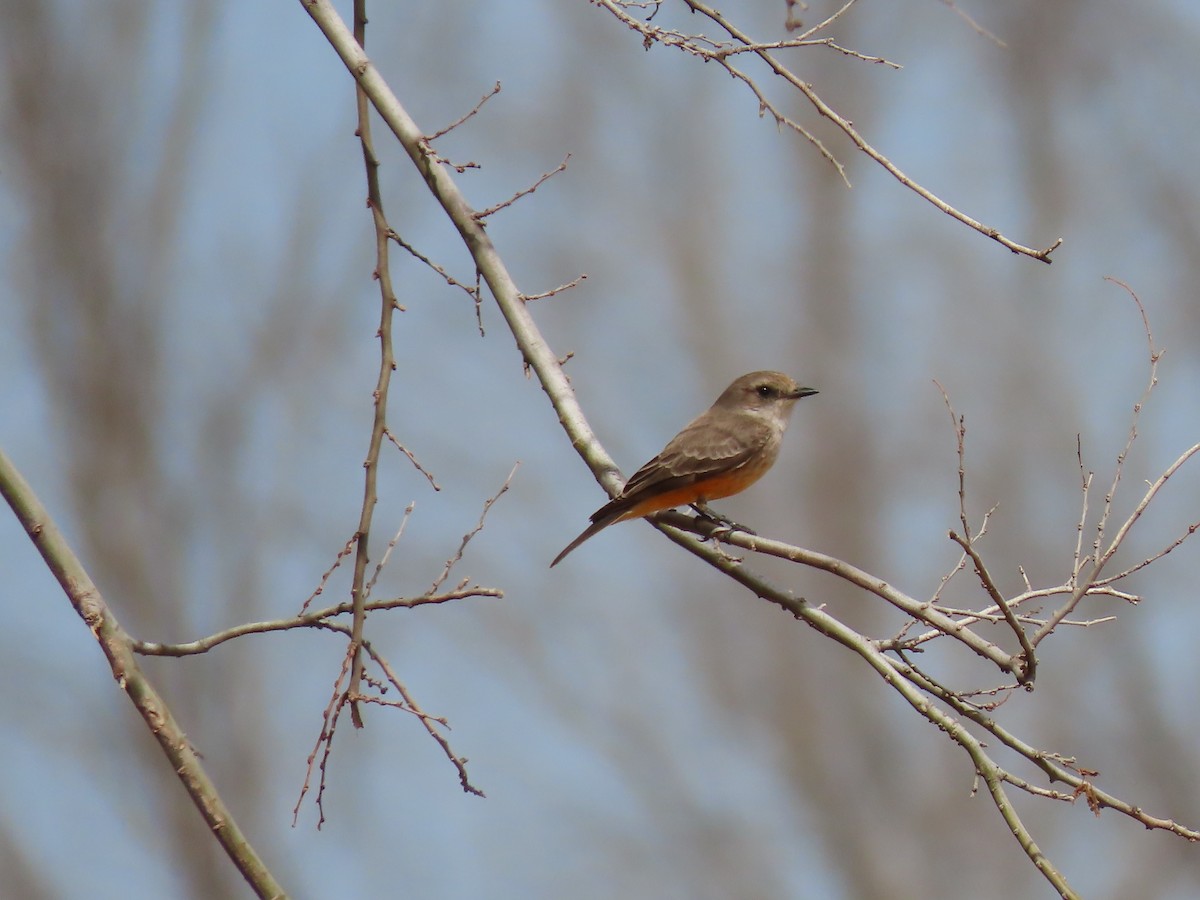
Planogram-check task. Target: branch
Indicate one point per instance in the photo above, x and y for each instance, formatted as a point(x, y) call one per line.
point(887, 669)
point(708, 50)
point(413, 459)
point(534, 349)
point(546, 176)
point(117, 645)
point(466, 539)
point(328, 573)
point(989, 614)
point(387, 364)
point(478, 106)
point(575, 282)
point(1101, 559)
point(924, 612)
point(472, 292)
point(1094, 576)
point(317, 619)
point(428, 721)
point(1029, 670)
point(1055, 766)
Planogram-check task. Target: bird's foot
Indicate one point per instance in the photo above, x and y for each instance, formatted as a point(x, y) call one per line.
point(728, 525)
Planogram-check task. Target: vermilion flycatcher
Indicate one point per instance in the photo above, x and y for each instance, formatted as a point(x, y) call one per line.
point(720, 453)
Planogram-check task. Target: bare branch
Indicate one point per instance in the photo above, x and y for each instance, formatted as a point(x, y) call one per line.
point(478, 294)
point(478, 106)
point(316, 619)
point(440, 580)
point(472, 292)
point(705, 48)
point(460, 168)
point(561, 167)
point(1085, 478)
point(1112, 579)
point(1100, 559)
point(387, 554)
point(827, 21)
point(960, 435)
point(558, 290)
point(429, 722)
point(325, 576)
point(324, 744)
point(387, 364)
point(1026, 675)
point(694, 45)
point(117, 646)
point(420, 468)
point(992, 615)
point(1058, 768)
point(925, 612)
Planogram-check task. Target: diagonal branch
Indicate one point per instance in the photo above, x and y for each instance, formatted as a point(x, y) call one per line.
point(118, 647)
point(1029, 671)
point(536, 352)
point(924, 612)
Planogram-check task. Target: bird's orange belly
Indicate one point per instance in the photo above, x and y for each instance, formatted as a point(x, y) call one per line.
point(724, 485)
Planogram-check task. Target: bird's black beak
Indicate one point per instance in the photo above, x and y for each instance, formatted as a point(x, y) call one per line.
point(804, 392)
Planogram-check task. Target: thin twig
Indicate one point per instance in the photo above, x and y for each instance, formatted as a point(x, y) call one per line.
point(724, 51)
point(370, 586)
point(458, 554)
point(558, 290)
point(1093, 578)
point(1026, 675)
point(436, 157)
point(1101, 559)
point(478, 294)
point(320, 588)
point(324, 745)
point(1085, 479)
point(473, 293)
point(546, 176)
point(828, 20)
point(694, 44)
point(429, 723)
point(839, 568)
point(478, 106)
point(995, 617)
point(1112, 579)
point(316, 619)
point(970, 617)
point(1056, 767)
point(411, 458)
point(975, 26)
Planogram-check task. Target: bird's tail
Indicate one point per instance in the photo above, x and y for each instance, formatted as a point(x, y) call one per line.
point(587, 533)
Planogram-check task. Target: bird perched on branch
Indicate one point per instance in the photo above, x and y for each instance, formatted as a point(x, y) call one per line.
point(722, 452)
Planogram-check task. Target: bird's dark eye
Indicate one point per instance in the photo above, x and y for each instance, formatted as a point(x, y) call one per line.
point(764, 390)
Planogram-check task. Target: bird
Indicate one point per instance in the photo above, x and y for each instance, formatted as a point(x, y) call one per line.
point(721, 452)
